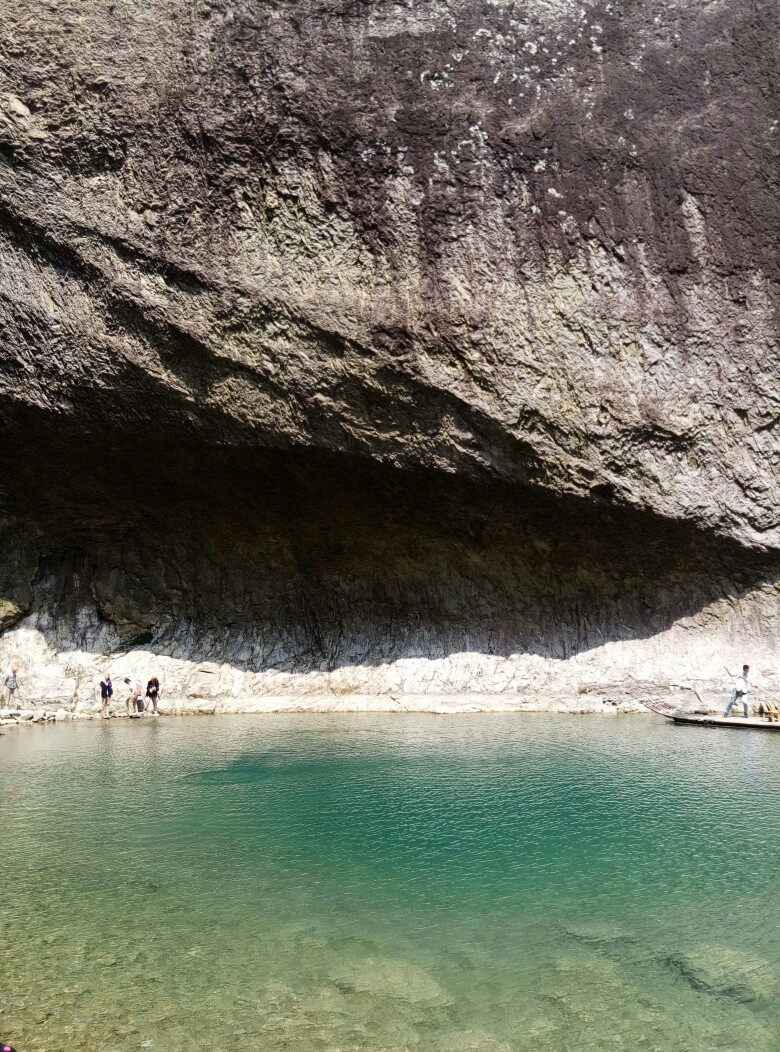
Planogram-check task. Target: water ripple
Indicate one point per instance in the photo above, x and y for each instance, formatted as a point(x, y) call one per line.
point(490, 882)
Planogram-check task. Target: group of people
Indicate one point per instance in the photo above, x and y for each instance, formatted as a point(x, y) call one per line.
point(137, 701)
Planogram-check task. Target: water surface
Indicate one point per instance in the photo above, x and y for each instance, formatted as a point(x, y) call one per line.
point(389, 882)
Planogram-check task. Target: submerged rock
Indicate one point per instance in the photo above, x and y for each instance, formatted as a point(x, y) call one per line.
point(472, 1041)
point(597, 932)
point(388, 977)
point(726, 972)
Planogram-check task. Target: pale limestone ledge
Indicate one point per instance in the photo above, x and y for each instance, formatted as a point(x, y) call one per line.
point(434, 705)
point(427, 704)
point(679, 666)
point(67, 690)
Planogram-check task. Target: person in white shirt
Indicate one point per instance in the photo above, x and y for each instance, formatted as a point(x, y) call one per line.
point(11, 683)
point(131, 705)
point(740, 691)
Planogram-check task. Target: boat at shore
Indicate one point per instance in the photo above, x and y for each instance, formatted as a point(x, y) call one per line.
point(705, 719)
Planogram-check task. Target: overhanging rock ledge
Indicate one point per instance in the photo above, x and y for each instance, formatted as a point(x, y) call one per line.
point(412, 349)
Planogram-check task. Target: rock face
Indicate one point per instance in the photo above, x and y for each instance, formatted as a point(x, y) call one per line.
point(367, 347)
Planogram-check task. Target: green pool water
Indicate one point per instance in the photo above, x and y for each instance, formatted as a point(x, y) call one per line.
point(389, 882)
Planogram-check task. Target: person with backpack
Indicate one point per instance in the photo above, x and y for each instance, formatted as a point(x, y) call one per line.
point(153, 693)
point(106, 694)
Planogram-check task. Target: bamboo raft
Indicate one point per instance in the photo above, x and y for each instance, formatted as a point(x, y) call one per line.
point(770, 721)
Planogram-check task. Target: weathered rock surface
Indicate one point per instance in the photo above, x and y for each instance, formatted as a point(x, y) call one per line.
point(414, 349)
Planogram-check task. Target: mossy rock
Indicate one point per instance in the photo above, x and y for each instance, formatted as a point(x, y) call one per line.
point(10, 613)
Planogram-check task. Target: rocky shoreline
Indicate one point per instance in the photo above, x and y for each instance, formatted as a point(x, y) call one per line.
point(682, 668)
point(441, 705)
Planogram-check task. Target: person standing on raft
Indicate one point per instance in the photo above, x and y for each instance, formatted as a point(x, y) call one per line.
point(741, 690)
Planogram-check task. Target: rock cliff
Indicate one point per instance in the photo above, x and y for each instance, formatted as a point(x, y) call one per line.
point(368, 347)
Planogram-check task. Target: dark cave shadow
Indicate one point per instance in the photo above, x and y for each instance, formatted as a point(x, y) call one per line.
point(299, 560)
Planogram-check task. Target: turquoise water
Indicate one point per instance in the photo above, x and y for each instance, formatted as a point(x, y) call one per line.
point(389, 882)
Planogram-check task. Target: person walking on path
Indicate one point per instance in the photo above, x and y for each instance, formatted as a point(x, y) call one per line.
point(740, 691)
point(11, 684)
point(106, 694)
point(153, 693)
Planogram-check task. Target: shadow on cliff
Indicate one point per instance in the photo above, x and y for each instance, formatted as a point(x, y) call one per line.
point(300, 560)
